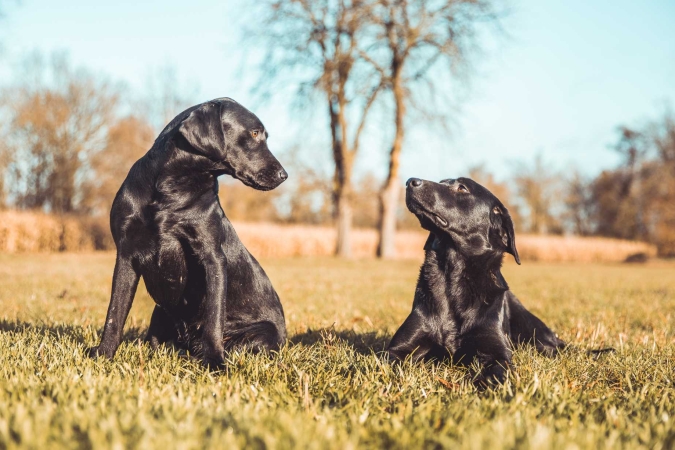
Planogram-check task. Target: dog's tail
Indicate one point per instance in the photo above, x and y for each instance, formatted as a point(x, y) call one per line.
point(263, 336)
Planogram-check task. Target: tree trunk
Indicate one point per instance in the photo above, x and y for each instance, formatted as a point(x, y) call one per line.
point(342, 179)
point(343, 204)
point(389, 194)
point(343, 248)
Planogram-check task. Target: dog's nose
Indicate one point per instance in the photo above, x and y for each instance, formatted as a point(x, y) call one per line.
point(414, 182)
point(283, 175)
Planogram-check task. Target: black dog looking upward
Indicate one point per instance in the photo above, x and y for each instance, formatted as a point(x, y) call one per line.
point(169, 228)
point(463, 307)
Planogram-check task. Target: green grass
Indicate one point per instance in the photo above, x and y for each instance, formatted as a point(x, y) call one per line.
point(327, 388)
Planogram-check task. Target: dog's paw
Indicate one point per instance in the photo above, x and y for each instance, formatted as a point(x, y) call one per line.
point(97, 352)
point(216, 362)
point(490, 377)
point(213, 358)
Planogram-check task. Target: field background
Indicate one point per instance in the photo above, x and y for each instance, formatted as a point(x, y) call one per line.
point(32, 231)
point(328, 388)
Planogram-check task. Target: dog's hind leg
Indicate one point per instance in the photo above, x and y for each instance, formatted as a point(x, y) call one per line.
point(526, 328)
point(162, 329)
point(258, 337)
point(411, 338)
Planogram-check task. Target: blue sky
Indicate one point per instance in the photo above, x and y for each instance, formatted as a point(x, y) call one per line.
point(567, 74)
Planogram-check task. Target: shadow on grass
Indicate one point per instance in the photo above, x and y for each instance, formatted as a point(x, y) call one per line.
point(363, 343)
point(77, 333)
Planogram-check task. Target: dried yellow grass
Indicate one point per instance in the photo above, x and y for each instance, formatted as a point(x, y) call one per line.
point(272, 240)
point(26, 232)
point(579, 249)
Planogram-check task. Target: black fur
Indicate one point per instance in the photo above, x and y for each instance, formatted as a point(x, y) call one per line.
point(169, 228)
point(463, 307)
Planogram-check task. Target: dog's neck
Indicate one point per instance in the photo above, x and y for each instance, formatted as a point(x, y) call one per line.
point(458, 283)
point(179, 167)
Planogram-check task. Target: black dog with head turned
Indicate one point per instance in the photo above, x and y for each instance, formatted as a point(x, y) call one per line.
point(169, 228)
point(463, 307)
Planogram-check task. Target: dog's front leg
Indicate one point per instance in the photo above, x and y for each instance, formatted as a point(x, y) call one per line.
point(214, 310)
point(489, 347)
point(125, 282)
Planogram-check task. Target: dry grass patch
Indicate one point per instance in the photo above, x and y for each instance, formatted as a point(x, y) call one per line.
point(24, 232)
point(329, 388)
point(276, 241)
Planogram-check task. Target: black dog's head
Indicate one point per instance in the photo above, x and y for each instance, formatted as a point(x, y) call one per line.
point(235, 140)
point(463, 212)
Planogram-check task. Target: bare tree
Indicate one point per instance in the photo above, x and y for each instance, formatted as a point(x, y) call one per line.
point(58, 118)
point(127, 140)
point(579, 204)
point(165, 95)
point(659, 186)
point(637, 199)
point(539, 190)
point(323, 39)
point(413, 37)
point(307, 196)
point(663, 136)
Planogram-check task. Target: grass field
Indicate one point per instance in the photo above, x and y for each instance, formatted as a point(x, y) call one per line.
point(328, 388)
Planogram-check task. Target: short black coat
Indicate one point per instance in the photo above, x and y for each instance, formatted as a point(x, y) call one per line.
point(463, 308)
point(169, 228)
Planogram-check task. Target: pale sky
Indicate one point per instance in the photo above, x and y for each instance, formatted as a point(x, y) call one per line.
point(566, 76)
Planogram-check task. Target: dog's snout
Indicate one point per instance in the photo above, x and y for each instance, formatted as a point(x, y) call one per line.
point(282, 175)
point(414, 182)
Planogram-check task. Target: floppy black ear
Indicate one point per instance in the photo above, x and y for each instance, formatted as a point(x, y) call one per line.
point(203, 130)
point(507, 232)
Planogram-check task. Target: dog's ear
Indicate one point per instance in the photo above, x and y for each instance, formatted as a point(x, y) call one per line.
point(203, 130)
point(507, 234)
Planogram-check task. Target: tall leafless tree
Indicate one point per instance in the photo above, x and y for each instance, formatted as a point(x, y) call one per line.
point(321, 42)
point(412, 38)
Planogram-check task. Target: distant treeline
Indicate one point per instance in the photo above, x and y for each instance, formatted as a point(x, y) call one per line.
point(68, 138)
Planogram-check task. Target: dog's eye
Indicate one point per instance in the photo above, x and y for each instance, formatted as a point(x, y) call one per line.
point(255, 133)
point(462, 188)
point(496, 210)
